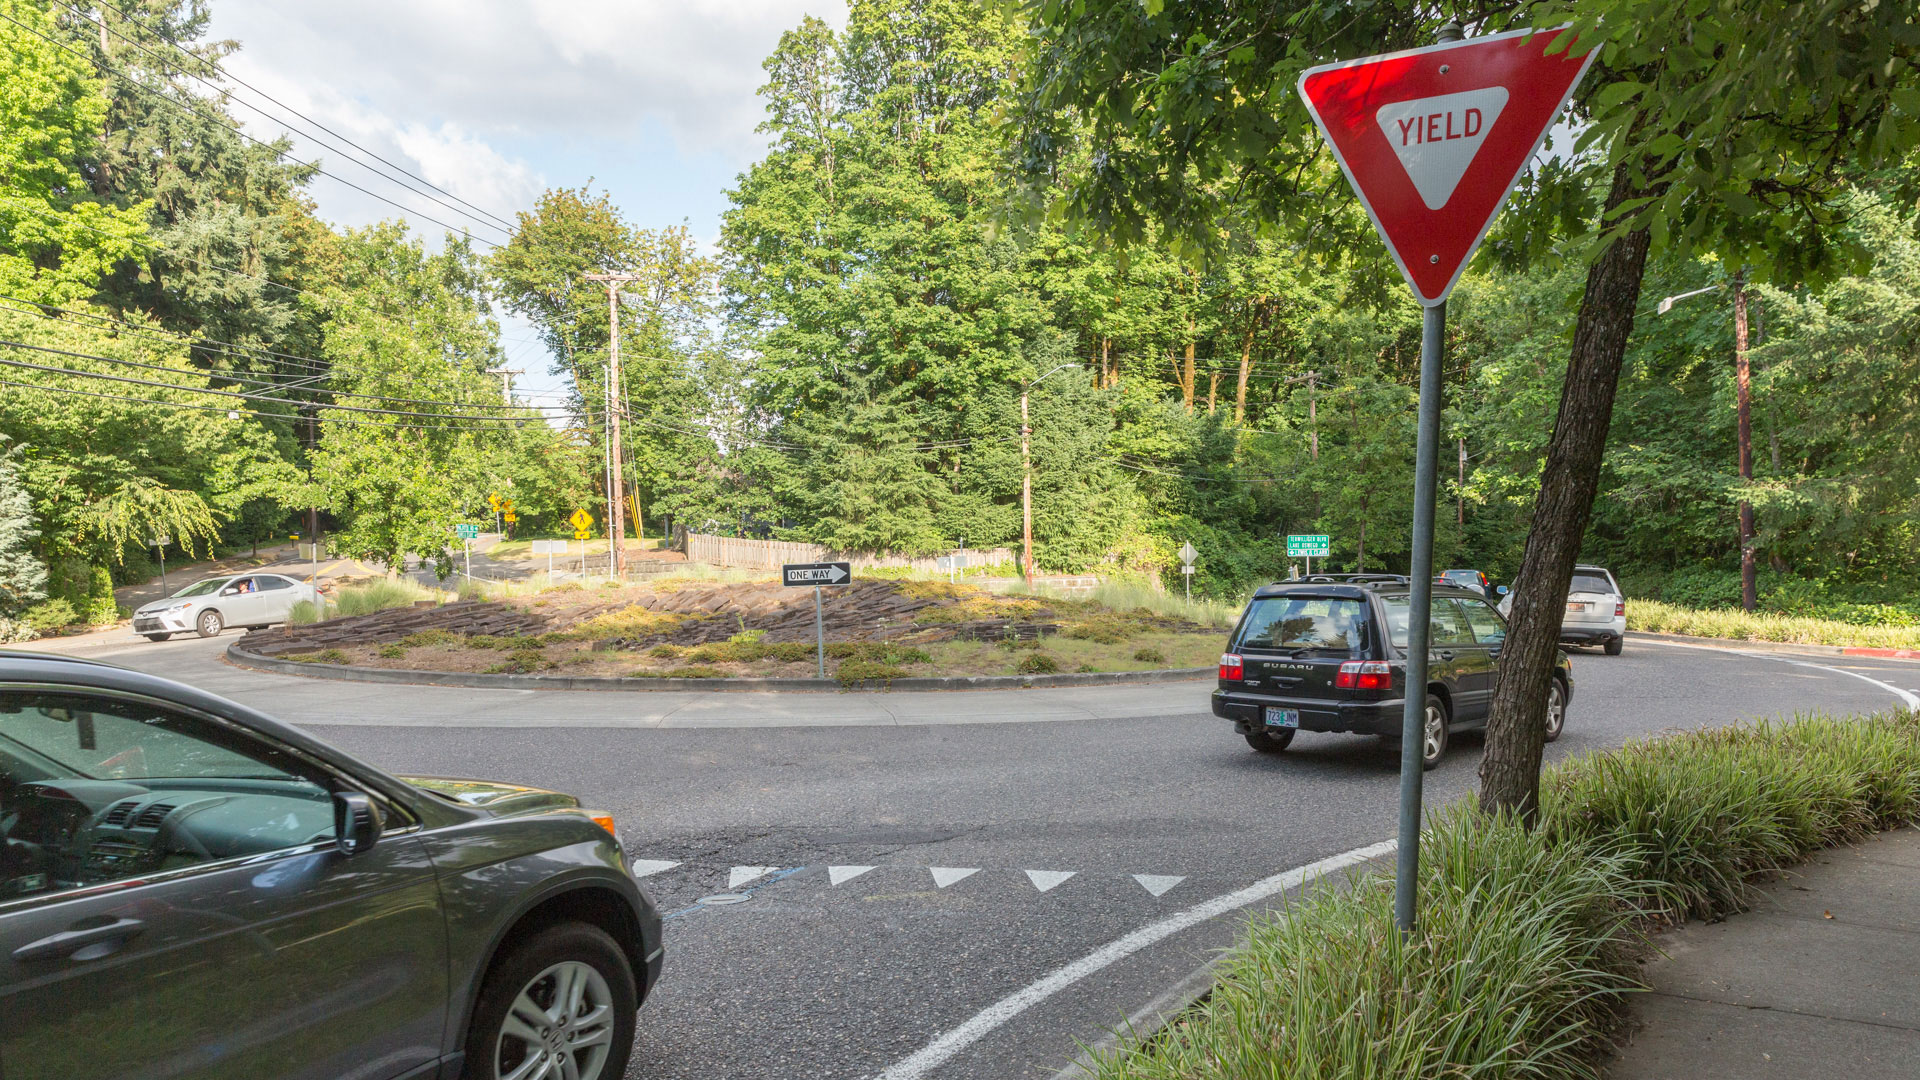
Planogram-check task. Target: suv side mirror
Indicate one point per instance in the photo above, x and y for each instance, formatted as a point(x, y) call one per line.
point(356, 821)
point(1500, 589)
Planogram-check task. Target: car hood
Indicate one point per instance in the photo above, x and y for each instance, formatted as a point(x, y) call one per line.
point(494, 797)
point(162, 605)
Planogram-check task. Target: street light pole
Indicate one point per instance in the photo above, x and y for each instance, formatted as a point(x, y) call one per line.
point(616, 504)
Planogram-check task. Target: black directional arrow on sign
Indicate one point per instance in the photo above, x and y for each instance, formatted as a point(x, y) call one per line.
point(820, 573)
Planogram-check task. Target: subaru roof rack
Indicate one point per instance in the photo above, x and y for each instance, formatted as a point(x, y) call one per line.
point(1346, 579)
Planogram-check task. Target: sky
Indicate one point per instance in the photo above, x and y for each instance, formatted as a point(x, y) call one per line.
point(496, 100)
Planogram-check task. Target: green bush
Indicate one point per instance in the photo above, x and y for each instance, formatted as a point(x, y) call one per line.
point(1657, 617)
point(48, 615)
point(880, 652)
point(393, 652)
point(420, 639)
point(378, 595)
point(1086, 668)
point(1015, 644)
point(324, 656)
point(510, 642)
point(1150, 656)
point(1527, 938)
point(851, 672)
point(521, 662)
point(1037, 664)
point(303, 613)
point(666, 651)
point(690, 672)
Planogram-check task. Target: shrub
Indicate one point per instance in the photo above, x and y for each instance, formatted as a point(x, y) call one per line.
point(51, 614)
point(880, 652)
point(427, 638)
point(378, 595)
point(791, 651)
point(631, 621)
point(511, 642)
point(692, 672)
point(303, 613)
point(1037, 664)
point(1150, 656)
point(666, 651)
point(1015, 644)
point(1657, 617)
point(394, 651)
point(521, 662)
point(324, 656)
point(859, 671)
point(1084, 668)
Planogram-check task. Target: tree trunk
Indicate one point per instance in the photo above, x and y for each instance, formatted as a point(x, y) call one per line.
point(1246, 369)
point(1743, 408)
point(1213, 391)
point(1186, 372)
point(1516, 735)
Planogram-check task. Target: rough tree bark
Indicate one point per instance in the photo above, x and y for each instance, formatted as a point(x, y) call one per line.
point(1516, 735)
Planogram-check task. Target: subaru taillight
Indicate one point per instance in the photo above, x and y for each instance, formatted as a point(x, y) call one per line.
point(1619, 608)
point(1364, 675)
point(1232, 666)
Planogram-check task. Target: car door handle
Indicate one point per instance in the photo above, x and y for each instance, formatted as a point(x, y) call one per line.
point(71, 943)
point(1446, 655)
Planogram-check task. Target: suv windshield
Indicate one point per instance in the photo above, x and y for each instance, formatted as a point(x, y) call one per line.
point(1591, 582)
point(202, 588)
point(1301, 623)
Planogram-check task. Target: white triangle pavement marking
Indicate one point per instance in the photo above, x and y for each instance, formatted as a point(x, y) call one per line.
point(944, 876)
point(1157, 883)
point(838, 874)
point(740, 875)
point(1436, 138)
point(1047, 879)
point(644, 867)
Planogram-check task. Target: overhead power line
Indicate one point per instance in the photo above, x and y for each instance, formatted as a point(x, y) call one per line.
point(476, 213)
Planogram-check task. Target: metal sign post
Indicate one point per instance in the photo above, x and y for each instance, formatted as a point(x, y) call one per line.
point(1187, 554)
point(160, 548)
point(1433, 141)
point(815, 575)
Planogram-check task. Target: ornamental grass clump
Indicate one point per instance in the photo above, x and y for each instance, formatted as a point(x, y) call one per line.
point(1524, 954)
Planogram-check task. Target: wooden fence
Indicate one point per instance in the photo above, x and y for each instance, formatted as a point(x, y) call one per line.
point(748, 554)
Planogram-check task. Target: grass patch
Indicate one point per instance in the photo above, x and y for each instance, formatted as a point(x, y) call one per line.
point(691, 672)
point(1037, 663)
point(303, 613)
point(747, 652)
point(1527, 943)
point(631, 621)
point(851, 672)
point(1150, 656)
point(509, 642)
point(421, 639)
point(879, 652)
point(324, 656)
point(1657, 617)
point(521, 662)
point(394, 651)
point(377, 595)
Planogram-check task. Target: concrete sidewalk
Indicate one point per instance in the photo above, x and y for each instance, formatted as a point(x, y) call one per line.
point(1820, 979)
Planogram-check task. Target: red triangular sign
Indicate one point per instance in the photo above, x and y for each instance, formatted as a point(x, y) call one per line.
point(1434, 139)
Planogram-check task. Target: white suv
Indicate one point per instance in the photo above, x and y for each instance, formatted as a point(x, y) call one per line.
point(1596, 610)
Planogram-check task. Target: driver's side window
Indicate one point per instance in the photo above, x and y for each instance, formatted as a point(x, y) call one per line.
point(95, 789)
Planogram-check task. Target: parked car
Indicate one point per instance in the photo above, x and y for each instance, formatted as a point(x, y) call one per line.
point(210, 605)
point(190, 889)
point(1596, 610)
point(1475, 580)
point(1328, 653)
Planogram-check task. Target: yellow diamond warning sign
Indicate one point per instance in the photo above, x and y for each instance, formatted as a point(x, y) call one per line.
point(581, 521)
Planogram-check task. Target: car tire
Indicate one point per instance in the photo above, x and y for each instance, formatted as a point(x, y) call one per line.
point(1434, 743)
point(1268, 742)
point(209, 624)
point(1614, 645)
point(535, 970)
point(1556, 709)
point(156, 637)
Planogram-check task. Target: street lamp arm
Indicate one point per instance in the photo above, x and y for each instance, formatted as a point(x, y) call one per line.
point(1031, 383)
point(1666, 304)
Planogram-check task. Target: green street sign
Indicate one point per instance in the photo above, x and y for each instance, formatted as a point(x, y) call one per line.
point(466, 532)
point(1309, 546)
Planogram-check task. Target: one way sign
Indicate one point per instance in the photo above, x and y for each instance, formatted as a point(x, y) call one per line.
point(815, 573)
point(1434, 139)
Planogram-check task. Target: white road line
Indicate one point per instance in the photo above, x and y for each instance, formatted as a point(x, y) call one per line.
point(644, 867)
point(838, 874)
point(951, 1042)
point(1157, 883)
point(944, 876)
point(1911, 700)
point(740, 875)
point(1047, 879)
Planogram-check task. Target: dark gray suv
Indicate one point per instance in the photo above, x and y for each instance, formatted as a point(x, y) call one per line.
point(191, 889)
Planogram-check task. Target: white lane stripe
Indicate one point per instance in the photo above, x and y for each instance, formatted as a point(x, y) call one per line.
point(1047, 879)
point(644, 867)
point(1911, 700)
point(740, 875)
point(838, 874)
point(1158, 884)
point(951, 1042)
point(944, 876)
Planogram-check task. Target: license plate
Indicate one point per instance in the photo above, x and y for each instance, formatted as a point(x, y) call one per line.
point(1283, 717)
point(1576, 607)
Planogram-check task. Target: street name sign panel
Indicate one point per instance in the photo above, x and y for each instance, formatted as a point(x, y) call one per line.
point(467, 532)
point(549, 547)
point(1433, 140)
point(819, 573)
point(1309, 546)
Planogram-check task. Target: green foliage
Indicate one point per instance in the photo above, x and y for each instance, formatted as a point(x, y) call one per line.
point(54, 614)
point(1657, 617)
point(423, 639)
point(692, 672)
point(393, 652)
point(521, 661)
point(880, 652)
point(1527, 938)
point(666, 651)
point(856, 672)
point(1150, 656)
point(379, 594)
point(1037, 663)
point(303, 613)
point(23, 577)
point(324, 656)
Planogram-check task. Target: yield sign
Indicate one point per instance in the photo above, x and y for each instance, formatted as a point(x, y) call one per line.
point(1434, 139)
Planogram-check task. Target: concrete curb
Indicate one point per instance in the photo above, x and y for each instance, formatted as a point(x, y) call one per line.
point(1779, 646)
point(240, 657)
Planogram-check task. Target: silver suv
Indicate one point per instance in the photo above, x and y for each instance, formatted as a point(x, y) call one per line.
point(1596, 610)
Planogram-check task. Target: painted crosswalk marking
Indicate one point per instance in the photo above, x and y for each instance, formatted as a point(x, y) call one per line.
point(645, 867)
point(740, 875)
point(944, 876)
point(1157, 884)
point(1047, 879)
point(838, 874)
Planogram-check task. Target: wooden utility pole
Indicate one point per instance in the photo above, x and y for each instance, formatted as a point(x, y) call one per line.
point(1743, 408)
point(616, 505)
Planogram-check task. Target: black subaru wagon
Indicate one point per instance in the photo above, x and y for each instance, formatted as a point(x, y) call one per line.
point(1328, 653)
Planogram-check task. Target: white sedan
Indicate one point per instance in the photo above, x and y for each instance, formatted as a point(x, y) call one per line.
point(210, 605)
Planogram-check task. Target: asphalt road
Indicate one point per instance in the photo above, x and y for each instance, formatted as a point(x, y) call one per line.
point(811, 978)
